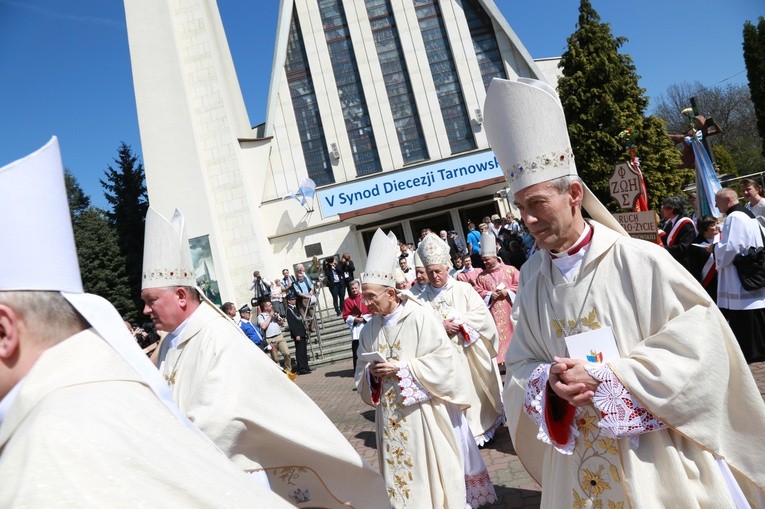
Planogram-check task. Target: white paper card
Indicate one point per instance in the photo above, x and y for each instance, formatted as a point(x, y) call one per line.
point(596, 346)
point(372, 357)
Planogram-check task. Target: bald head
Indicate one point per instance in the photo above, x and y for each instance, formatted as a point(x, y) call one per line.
point(725, 199)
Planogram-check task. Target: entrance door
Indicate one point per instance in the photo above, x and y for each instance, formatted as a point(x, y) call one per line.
point(435, 223)
point(367, 235)
point(476, 214)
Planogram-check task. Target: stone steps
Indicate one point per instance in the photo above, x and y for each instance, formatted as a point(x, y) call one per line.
point(335, 341)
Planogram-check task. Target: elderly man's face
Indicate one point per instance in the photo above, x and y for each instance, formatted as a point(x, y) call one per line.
point(490, 262)
point(163, 306)
point(437, 274)
point(421, 275)
point(551, 216)
point(442, 234)
point(380, 300)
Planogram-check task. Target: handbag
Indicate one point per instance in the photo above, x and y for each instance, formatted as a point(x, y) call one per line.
point(750, 266)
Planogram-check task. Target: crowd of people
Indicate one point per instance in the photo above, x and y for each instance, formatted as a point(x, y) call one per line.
point(706, 246)
point(626, 385)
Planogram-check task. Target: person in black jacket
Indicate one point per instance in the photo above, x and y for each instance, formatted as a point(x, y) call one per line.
point(299, 335)
point(335, 283)
point(347, 268)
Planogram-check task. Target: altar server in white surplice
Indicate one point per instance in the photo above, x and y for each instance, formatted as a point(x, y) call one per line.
point(85, 419)
point(419, 387)
point(674, 418)
point(237, 395)
point(470, 326)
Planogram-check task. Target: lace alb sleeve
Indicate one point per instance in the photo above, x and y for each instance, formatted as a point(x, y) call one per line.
point(534, 403)
point(621, 414)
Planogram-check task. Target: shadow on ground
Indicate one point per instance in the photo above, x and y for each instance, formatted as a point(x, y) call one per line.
point(343, 373)
point(368, 437)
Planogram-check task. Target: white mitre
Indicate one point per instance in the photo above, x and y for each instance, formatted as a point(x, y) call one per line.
point(526, 129)
point(433, 250)
point(417, 260)
point(40, 255)
point(39, 252)
point(488, 245)
point(382, 261)
point(166, 253)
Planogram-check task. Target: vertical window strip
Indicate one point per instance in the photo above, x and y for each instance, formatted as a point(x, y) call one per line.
point(442, 68)
point(397, 83)
point(484, 42)
point(349, 89)
point(314, 144)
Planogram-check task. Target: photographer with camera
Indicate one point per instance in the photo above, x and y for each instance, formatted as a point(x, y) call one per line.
point(270, 324)
point(262, 289)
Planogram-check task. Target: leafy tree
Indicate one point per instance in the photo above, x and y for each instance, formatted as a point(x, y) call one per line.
point(732, 109)
point(125, 190)
point(102, 266)
point(754, 58)
point(601, 98)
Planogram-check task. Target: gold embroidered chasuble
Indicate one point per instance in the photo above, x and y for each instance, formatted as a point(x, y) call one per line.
point(679, 359)
point(249, 408)
point(419, 455)
point(459, 299)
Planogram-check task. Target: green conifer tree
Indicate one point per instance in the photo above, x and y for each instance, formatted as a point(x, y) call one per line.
point(754, 58)
point(601, 98)
point(125, 190)
point(102, 266)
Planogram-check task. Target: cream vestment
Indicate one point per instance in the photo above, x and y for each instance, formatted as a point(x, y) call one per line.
point(239, 398)
point(679, 360)
point(85, 431)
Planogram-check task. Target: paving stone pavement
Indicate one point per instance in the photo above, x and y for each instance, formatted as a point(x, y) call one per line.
point(331, 387)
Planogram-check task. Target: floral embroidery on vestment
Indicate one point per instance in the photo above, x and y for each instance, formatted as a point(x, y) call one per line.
point(541, 163)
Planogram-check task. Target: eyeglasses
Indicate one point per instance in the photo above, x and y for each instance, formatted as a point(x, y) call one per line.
point(370, 298)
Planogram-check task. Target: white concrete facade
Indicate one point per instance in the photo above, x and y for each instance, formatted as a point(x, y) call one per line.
point(202, 156)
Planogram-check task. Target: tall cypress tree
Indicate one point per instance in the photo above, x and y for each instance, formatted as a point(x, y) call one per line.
point(601, 98)
point(125, 190)
point(754, 58)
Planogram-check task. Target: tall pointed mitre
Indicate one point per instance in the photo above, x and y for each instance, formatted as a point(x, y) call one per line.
point(417, 260)
point(488, 245)
point(381, 261)
point(433, 250)
point(39, 252)
point(39, 255)
point(526, 128)
point(166, 254)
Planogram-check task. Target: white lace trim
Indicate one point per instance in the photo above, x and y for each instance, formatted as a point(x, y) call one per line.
point(482, 440)
point(621, 415)
point(534, 401)
point(479, 489)
point(412, 392)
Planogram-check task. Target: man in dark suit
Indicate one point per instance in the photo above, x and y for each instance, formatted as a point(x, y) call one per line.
point(299, 335)
point(679, 231)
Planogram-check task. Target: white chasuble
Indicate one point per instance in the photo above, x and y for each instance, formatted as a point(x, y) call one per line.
point(679, 361)
point(459, 300)
point(419, 449)
point(261, 420)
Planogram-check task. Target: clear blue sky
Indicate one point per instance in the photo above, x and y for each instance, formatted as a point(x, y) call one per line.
point(65, 64)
